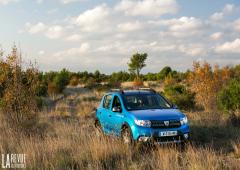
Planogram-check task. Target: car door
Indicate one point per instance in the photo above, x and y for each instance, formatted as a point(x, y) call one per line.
point(116, 117)
point(106, 112)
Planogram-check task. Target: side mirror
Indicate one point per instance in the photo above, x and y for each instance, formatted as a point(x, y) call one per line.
point(174, 106)
point(116, 109)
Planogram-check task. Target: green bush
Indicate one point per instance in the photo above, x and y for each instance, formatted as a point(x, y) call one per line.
point(229, 97)
point(62, 79)
point(179, 95)
point(41, 89)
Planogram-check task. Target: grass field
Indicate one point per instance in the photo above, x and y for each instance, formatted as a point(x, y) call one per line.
point(70, 142)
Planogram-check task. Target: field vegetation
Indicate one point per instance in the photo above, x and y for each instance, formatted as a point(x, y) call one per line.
point(50, 117)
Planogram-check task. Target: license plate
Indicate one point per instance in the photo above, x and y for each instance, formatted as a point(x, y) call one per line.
point(168, 133)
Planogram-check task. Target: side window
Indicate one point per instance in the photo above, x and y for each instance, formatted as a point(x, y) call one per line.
point(107, 101)
point(116, 102)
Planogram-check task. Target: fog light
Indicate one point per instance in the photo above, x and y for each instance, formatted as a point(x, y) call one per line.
point(143, 139)
point(185, 136)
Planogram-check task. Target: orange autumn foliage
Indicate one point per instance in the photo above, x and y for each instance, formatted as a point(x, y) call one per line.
point(206, 82)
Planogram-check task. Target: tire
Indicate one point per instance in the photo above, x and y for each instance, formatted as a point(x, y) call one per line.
point(127, 137)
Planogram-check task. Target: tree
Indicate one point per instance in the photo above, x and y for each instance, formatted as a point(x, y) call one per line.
point(137, 62)
point(180, 96)
point(228, 97)
point(164, 73)
point(62, 79)
point(18, 96)
point(206, 82)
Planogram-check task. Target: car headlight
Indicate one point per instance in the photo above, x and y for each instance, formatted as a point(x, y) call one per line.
point(184, 120)
point(144, 123)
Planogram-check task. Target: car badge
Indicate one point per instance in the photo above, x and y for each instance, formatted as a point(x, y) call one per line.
point(166, 123)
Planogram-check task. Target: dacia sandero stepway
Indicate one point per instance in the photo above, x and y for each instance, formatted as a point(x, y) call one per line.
point(141, 115)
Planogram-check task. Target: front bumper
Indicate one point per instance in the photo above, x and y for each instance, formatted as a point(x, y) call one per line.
point(145, 134)
point(165, 140)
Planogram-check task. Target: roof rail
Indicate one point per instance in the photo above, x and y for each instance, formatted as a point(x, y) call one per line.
point(147, 89)
point(117, 90)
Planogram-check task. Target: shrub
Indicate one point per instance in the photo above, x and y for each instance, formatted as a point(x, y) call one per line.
point(18, 103)
point(180, 96)
point(119, 76)
point(74, 81)
point(169, 80)
point(206, 82)
point(52, 89)
point(229, 96)
point(61, 80)
point(42, 89)
point(164, 73)
point(137, 83)
point(91, 82)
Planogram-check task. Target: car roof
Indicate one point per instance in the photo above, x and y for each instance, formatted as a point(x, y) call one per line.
point(132, 92)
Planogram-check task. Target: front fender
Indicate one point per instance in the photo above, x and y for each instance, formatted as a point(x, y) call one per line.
point(133, 128)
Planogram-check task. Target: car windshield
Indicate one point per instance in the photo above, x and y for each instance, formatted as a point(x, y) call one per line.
point(146, 101)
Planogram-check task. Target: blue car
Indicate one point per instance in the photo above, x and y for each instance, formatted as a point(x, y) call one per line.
point(141, 116)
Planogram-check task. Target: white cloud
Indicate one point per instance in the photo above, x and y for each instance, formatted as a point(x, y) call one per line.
point(236, 25)
point(229, 47)
point(113, 35)
point(217, 16)
point(5, 2)
point(73, 51)
point(216, 35)
point(105, 48)
point(130, 26)
point(180, 27)
point(153, 8)
point(93, 19)
point(229, 8)
point(74, 37)
point(61, 1)
point(54, 32)
point(153, 43)
point(39, 1)
point(192, 50)
point(41, 52)
point(186, 24)
point(33, 29)
point(162, 47)
point(70, 1)
point(52, 11)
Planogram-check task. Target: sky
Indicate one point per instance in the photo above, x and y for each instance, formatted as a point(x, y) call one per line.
point(102, 35)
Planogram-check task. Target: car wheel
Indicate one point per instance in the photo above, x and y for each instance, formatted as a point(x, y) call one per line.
point(98, 129)
point(127, 137)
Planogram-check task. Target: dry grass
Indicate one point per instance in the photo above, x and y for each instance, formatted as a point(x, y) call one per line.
point(71, 143)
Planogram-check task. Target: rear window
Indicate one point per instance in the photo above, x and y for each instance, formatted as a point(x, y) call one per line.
point(107, 101)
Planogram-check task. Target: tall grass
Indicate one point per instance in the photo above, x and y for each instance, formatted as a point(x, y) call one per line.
point(73, 144)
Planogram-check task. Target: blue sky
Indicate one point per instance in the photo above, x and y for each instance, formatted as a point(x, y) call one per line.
point(95, 34)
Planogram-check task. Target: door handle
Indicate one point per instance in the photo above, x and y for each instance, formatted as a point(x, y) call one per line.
point(121, 116)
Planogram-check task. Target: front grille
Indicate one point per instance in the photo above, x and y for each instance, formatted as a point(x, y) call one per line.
point(163, 124)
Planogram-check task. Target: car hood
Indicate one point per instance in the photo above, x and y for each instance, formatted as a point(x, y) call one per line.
point(157, 114)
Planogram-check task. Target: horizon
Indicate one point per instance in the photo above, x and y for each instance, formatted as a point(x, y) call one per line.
point(84, 35)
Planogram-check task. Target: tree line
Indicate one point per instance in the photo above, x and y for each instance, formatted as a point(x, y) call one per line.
point(205, 87)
